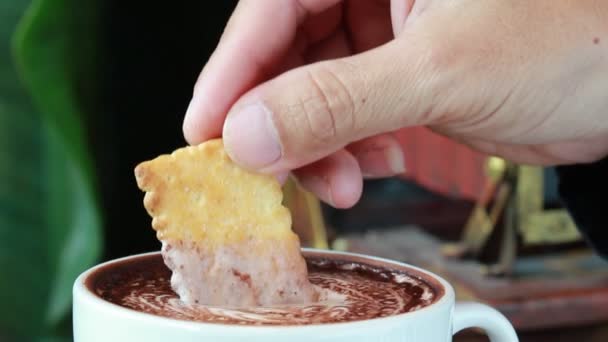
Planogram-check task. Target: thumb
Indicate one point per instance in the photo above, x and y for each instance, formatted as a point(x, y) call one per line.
point(312, 111)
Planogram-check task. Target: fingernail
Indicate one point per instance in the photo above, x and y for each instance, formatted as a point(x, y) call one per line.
point(250, 137)
point(394, 159)
point(282, 177)
point(189, 126)
point(320, 186)
point(383, 158)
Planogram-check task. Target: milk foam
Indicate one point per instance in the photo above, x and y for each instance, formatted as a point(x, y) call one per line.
point(348, 293)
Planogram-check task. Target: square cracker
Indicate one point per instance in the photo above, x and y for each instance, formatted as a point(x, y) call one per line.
point(198, 194)
point(226, 236)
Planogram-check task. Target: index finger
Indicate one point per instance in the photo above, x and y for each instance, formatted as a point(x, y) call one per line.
point(258, 34)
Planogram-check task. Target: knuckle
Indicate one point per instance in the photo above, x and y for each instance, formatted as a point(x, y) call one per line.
point(329, 111)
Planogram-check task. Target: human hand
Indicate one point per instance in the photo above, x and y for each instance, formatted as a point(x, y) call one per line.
point(316, 86)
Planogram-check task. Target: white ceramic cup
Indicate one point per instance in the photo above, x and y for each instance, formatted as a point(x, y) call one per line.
point(98, 320)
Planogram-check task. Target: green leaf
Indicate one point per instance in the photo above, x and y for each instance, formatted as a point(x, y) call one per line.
point(49, 216)
point(23, 267)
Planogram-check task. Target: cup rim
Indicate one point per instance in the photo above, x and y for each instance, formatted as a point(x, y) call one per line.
point(82, 293)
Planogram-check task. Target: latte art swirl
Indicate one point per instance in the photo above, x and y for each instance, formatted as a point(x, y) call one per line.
point(350, 292)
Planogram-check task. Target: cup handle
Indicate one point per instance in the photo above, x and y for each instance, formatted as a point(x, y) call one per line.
point(475, 315)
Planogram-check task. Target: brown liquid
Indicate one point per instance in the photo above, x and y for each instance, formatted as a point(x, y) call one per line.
point(353, 291)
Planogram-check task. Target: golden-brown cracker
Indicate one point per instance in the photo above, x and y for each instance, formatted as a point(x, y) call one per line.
point(198, 194)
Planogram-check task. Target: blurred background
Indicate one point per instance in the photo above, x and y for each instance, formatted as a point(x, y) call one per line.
point(88, 89)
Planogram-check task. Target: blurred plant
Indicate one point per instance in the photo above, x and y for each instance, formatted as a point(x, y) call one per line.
point(49, 215)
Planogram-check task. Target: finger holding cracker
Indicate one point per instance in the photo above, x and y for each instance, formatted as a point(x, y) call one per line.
point(226, 236)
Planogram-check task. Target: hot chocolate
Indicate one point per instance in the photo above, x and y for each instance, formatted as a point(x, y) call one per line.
point(350, 291)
